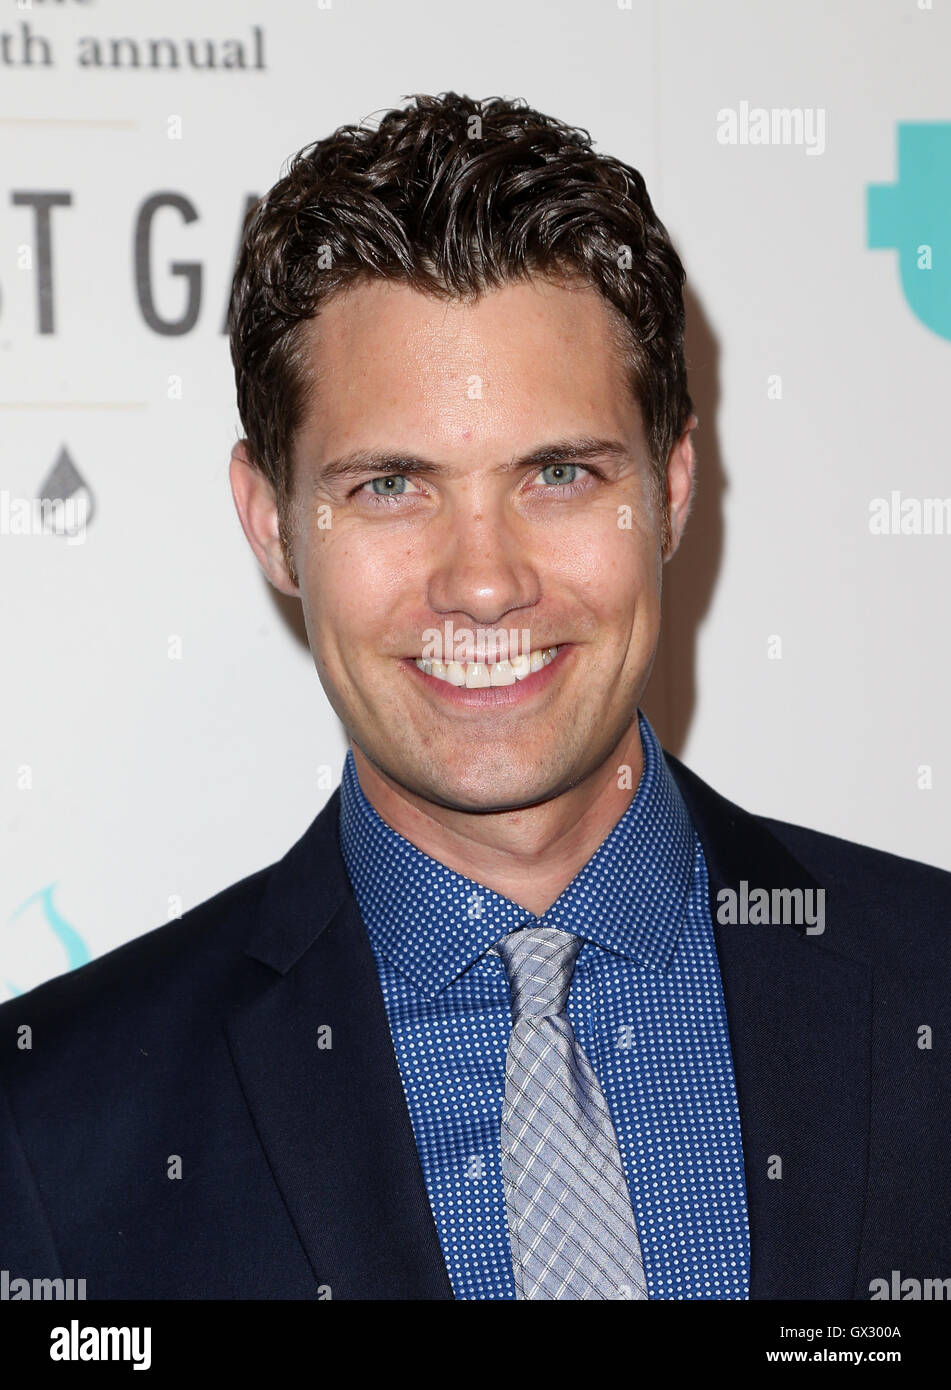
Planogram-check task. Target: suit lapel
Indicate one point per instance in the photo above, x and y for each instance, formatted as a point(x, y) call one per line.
point(314, 1054)
point(800, 1029)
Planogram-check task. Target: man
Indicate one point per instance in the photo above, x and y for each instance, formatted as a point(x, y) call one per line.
point(529, 1012)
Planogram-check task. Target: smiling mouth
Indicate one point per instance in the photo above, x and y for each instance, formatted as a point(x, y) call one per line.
point(481, 675)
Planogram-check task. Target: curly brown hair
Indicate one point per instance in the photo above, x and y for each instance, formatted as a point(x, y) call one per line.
point(452, 196)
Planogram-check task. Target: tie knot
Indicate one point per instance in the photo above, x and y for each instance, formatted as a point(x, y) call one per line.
point(539, 963)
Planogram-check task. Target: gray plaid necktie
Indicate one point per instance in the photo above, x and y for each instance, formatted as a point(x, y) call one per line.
point(570, 1222)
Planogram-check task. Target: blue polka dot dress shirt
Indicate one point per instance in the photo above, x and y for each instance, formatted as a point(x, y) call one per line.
point(646, 1006)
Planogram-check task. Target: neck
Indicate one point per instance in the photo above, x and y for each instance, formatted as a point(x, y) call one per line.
point(528, 855)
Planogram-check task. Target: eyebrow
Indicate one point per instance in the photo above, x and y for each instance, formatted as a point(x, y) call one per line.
point(377, 462)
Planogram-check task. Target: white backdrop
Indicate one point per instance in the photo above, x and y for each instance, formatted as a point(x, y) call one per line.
point(163, 730)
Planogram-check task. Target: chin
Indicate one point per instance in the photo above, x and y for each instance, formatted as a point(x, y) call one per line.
point(478, 791)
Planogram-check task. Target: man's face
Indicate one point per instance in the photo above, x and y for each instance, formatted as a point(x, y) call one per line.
point(487, 534)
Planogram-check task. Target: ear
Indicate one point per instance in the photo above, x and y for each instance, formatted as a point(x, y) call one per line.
point(256, 504)
point(680, 478)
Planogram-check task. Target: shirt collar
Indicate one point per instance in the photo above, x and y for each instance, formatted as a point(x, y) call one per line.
point(432, 923)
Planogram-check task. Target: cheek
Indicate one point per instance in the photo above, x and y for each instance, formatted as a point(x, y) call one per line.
point(338, 584)
point(613, 565)
point(355, 585)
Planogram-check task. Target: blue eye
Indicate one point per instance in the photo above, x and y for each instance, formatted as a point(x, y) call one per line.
point(561, 472)
point(389, 484)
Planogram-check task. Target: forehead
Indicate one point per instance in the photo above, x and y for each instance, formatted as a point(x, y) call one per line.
point(527, 361)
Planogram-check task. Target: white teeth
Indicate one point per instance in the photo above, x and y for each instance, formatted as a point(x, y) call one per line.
point(479, 675)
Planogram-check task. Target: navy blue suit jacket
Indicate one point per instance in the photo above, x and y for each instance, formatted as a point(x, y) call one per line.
point(206, 1040)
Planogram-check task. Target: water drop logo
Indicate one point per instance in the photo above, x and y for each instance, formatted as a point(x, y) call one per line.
point(77, 952)
point(913, 217)
point(65, 483)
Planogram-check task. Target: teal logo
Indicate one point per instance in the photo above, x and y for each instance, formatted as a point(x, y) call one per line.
point(913, 217)
point(77, 952)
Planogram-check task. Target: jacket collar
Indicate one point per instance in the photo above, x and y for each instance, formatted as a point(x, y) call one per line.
point(314, 1055)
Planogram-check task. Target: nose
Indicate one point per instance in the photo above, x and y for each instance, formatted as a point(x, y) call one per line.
point(482, 567)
